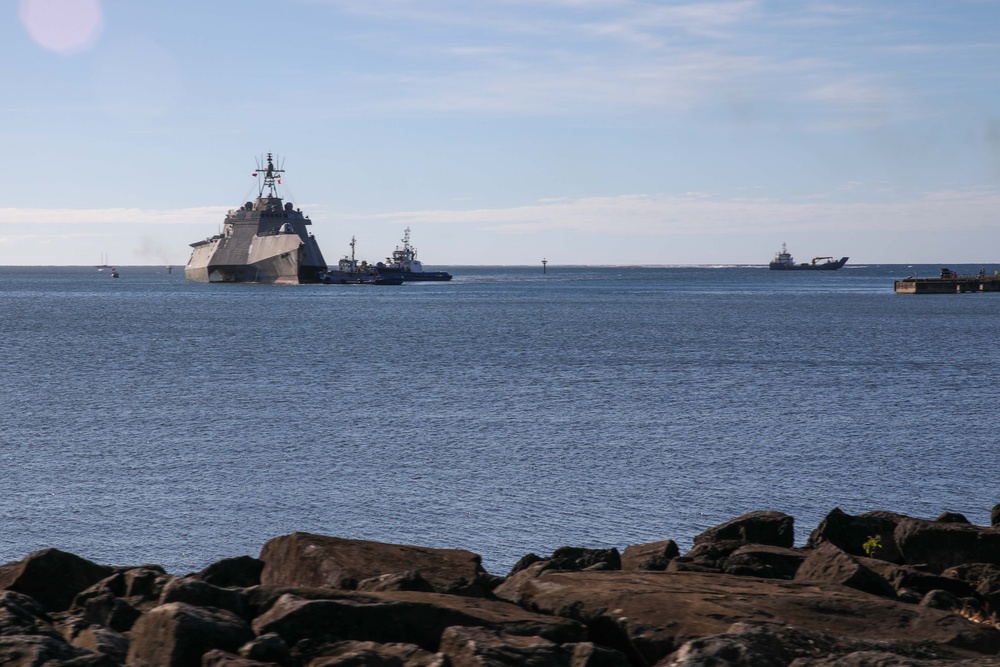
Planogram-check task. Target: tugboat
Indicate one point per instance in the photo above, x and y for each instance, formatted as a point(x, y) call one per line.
point(404, 263)
point(263, 241)
point(783, 262)
point(349, 272)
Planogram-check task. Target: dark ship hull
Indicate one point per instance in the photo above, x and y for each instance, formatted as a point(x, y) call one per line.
point(825, 266)
point(354, 278)
point(264, 241)
point(408, 276)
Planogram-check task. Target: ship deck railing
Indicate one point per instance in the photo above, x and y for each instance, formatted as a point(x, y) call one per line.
point(954, 276)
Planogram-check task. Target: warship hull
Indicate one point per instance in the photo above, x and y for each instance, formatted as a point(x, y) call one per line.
point(410, 276)
point(264, 241)
point(282, 259)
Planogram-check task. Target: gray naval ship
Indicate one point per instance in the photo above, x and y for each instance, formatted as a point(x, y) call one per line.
point(263, 241)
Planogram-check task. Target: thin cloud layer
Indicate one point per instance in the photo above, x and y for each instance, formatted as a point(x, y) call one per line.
point(820, 60)
point(667, 214)
point(208, 215)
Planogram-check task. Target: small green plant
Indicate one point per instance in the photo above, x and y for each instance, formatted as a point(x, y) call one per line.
point(873, 545)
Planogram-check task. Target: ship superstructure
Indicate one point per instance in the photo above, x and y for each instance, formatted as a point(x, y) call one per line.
point(404, 263)
point(263, 241)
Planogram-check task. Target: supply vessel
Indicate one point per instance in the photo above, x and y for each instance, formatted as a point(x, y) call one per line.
point(783, 261)
point(263, 241)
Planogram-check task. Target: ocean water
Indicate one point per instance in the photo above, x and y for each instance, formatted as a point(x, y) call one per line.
point(151, 420)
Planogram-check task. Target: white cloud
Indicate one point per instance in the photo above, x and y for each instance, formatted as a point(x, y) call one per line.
point(588, 57)
point(694, 214)
point(652, 213)
point(135, 216)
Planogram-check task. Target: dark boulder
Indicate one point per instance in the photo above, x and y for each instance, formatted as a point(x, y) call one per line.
point(648, 615)
point(200, 593)
point(406, 617)
point(38, 650)
point(875, 657)
point(573, 559)
point(710, 556)
point(952, 517)
point(831, 565)
point(580, 558)
point(972, 573)
point(304, 559)
point(777, 645)
point(760, 527)
point(368, 654)
point(22, 615)
point(268, 647)
point(102, 641)
point(939, 599)
point(907, 577)
point(178, 634)
point(239, 572)
point(740, 646)
point(940, 546)
point(508, 590)
point(105, 609)
point(117, 601)
point(52, 577)
point(761, 560)
point(475, 647)
point(589, 654)
point(399, 581)
point(143, 585)
point(220, 658)
point(479, 647)
point(262, 598)
point(651, 556)
point(851, 533)
point(685, 564)
point(524, 562)
point(988, 589)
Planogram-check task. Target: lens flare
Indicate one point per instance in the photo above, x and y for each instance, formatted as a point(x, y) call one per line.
point(63, 26)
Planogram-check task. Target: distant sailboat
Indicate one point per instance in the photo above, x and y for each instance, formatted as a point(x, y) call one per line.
point(104, 262)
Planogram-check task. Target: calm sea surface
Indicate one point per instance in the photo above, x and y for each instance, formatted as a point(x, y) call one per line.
point(147, 419)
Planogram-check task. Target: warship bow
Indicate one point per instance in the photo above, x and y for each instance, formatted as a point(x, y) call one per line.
point(263, 241)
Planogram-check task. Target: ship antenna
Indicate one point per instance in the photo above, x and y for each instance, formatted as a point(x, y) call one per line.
point(270, 175)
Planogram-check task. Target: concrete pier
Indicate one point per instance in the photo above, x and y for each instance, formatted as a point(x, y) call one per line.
point(950, 283)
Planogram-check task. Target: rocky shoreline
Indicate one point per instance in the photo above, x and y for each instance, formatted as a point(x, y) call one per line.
point(874, 590)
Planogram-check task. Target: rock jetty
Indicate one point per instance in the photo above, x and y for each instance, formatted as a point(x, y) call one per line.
point(874, 590)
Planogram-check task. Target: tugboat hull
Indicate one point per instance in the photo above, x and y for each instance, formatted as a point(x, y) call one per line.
point(408, 276)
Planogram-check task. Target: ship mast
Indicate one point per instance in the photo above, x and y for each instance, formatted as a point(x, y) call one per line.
point(270, 176)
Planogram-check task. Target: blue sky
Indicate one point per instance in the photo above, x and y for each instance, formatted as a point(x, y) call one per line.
point(583, 131)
